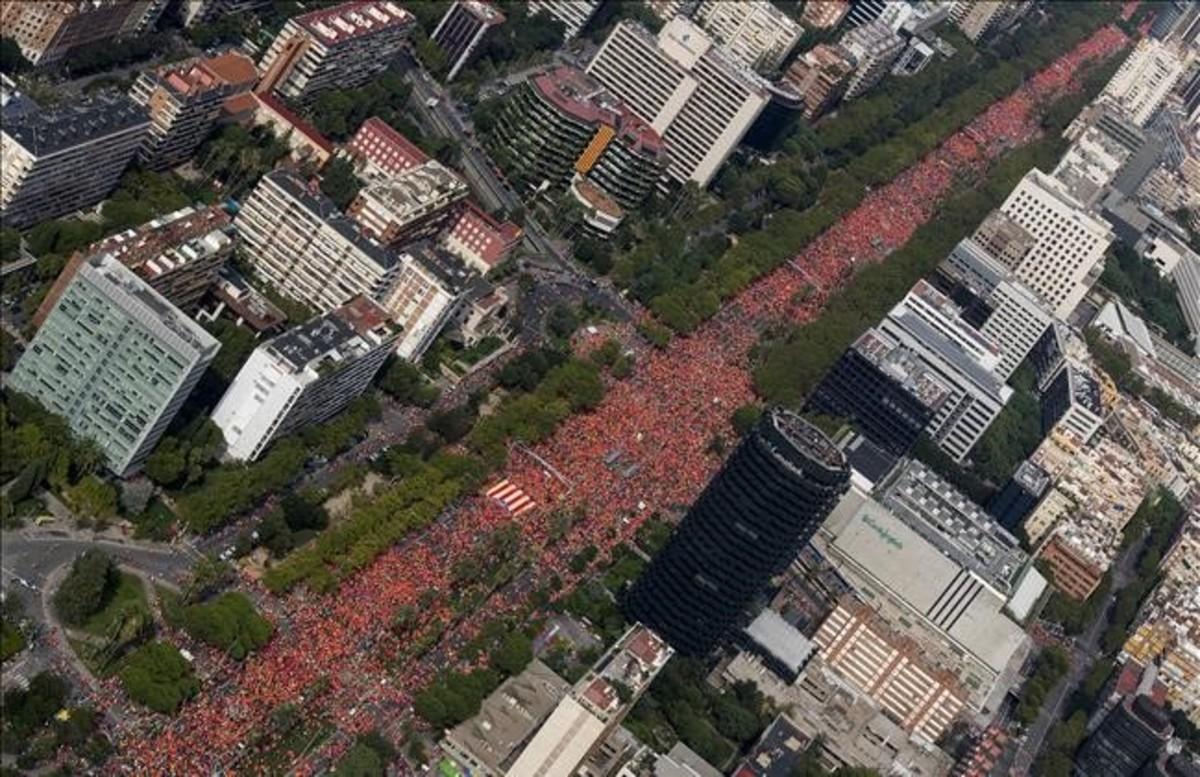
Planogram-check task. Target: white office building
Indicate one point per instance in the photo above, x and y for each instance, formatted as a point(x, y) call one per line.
point(1146, 78)
point(431, 288)
point(1069, 241)
point(574, 14)
point(755, 32)
point(692, 93)
point(875, 47)
point(304, 377)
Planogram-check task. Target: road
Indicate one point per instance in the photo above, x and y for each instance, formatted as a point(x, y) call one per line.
point(1084, 653)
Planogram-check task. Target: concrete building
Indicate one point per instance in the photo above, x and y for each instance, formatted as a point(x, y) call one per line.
point(1130, 736)
point(1187, 279)
point(58, 160)
point(309, 148)
point(378, 151)
point(874, 47)
point(178, 255)
point(297, 241)
point(1072, 402)
point(416, 203)
point(574, 14)
point(1019, 496)
point(865, 11)
point(980, 18)
point(337, 47)
point(194, 12)
point(682, 761)
point(561, 124)
point(184, 103)
point(594, 709)
point(929, 325)
point(824, 14)
point(430, 289)
point(1070, 242)
point(116, 360)
point(47, 30)
point(757, 34)
point(480, 240)
point(820, 76)
point(304, 376)
point(461, 30)
point(687, 89)
point(1145, 79)
point(1004, 239)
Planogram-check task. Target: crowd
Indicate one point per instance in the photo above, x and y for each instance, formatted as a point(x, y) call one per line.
point(652, 445)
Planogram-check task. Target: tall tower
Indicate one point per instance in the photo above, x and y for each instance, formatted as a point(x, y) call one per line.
point(746, 527)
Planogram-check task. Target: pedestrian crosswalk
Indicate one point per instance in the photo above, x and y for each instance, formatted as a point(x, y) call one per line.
point(512, 497)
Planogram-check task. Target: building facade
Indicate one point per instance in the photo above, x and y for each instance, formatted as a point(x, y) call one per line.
point(820, 75)
point(574, 14)
point(379, 151)
point(116, 360)
point(1130, 736)
point(47, 30)
point(874, 47)
point(431, 288)
point(1145, 79)
point(461, 30)
point(416, 203)
point(480, 240)
point(755, 32)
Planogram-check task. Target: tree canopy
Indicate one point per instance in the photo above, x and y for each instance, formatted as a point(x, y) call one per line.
point(86, 588)
point(158, 676)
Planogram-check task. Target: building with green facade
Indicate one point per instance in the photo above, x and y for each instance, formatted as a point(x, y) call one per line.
point(116, 360)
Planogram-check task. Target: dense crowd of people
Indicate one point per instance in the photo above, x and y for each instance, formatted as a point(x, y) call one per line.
point(652, 445)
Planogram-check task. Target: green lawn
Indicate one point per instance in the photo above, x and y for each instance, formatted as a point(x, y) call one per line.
point(11, 640)
point(129, 595)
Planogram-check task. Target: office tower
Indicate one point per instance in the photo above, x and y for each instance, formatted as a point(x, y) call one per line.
point(1145, 79)
point(194, 12)
point(884, 389)
point(297, 241)
point(47, 30)
point(431, 287)
point(378, 151)
point(979, 18)
point(755, 32)
point(1167, 765)
point(574, 14)
point(1072, 402)
point(689, 91)
point(865, 11)
point(461, 30)
point(1130, 736)
point(480, 240)
point(304, 376)
point(415, 203)
point(184, 102)
point(338, 47)
point(930, 326)
point(562, 123)
point(746, 527)
point(1186, 276)
point(178, 255)
point(820, 76)
point(1069, 241)
point(874, 47)
point(1016, 500)
point(116, 360)
point(824, 14)
point(54, 161)
point(1015, 317)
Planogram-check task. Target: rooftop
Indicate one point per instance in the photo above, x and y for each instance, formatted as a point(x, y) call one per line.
point(167, 242)
point(276, 106)
point(806, 438)
point(582, 97)
point(417, 187)
point(903, 366)
point(49, 130)
point(448, 269)
point(246, 301)
point(779, 638)
point(338, 335)
point(777, 752)
point(232, 67)
point(355, 19)
point(403, 148)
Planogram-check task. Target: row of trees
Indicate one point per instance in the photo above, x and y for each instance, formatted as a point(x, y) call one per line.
point(1051, 667)
point(32, 730)
point(456, 696)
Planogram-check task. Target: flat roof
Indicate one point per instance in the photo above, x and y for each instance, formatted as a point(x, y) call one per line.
point(48, 130)
point(323, 208)
point(779, 638)
point(354, 19)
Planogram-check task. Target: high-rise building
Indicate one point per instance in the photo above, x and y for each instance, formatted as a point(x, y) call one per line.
point(930, 326)
point(874, 47)
point(1130, 736)
point(46, 30)
point(194, 12)
point(865, 11)
point(1171, 16)
point(824, 14)
point(178, 254)
point(1072, 402)
point(431, 287)
point(884, 389)
point(1069, 241)
point(184, 102)
point(116, 360)
point(1186, 276)
point(304, 376)
point(746, 527)
point(297, 241)
point(55, 161)
point(561, 123)
point(461, 30)
point(978, 18)
point(574, 14)
point(413, 204)
point(1019, 496)
point(820, 76)
point(1004, 239)
point(688, 90)
point(755, 32)
point(338, 47)
point(1145, 79)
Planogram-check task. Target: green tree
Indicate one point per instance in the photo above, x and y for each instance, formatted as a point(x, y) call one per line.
point(339, 183)
point(513, 653)
point(91, 497)
point(157, 676)
point(407, 384)
point(228, 623)
point(86, 588)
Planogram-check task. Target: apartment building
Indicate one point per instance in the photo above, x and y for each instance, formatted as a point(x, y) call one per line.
point(116, 360)
point(1145, 78)
point(297, 241)
point(979, 18)
point(820, 75)
point(1069, 241)
point(416, 203)
point(931, 327)
point(184, 103)
point(756, 33)
point(561, 124)
point(875, 47)
point(304, 376)
point(378, 151)
point(461, 30)
point(480, 240)
point(824, 14)
point(178, 255)
point(687, 89)
point(431, 288)
point(336, 47)
point(574, 14)
point(47, 30)
point(195, 12)
point(54, 161)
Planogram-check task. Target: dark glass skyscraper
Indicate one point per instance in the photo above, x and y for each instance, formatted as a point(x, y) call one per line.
point(747, 526)
point(1129, 737)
